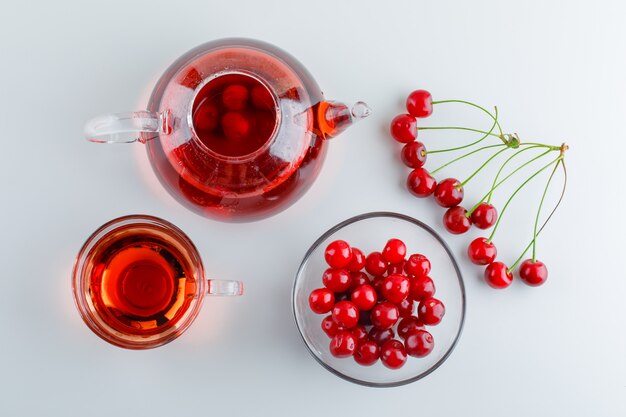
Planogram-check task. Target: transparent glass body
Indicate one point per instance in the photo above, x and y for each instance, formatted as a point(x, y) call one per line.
point(139, 282)
point(369, 232)
point(235, 129)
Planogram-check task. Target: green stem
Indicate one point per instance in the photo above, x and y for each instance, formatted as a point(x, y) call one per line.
point(474, 105)
point(495, 180)
point(469, 213)
point(485, 135)
point(545, 222)
point(543, 197)
point(495, 227)
point(469, 129)
point(543, 145)
point(510, 270)
point(465, 156)
point(480, 168)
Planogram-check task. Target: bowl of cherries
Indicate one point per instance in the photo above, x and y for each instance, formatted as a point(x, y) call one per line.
point(379, 300)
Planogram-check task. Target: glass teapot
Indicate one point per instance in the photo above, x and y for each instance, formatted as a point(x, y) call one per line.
point(236, 129)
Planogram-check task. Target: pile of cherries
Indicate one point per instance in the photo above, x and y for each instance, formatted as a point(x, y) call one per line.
point(370, 296)
point(448, 193)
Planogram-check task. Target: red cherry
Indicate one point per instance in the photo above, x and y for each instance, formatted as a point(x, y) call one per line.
point(360, 334)
point(393, 354)
point(455, 220)
point(414, 154)
point(357, 262)
point(421, 288)
point(404, 128)
point(358, 279)
point(235, 97)
point(533, 273)
point(385, 315)
point(417, 265)
point(394, 251)
point(395, 288)
point(261, 98)
point(338, 254)
point(206, 117)
point(346, 314)
point(408, 324)
point(420, 183)
point(375, 264)
point(431, 311)
point(497, 275)
point(419, 343)
point(336, 280)
point(481, 251)
point(405, 307)
point(381, 336)
point(377, 284)
point(330, 327)
point(447, 193)
point(235, 125)
point(342, 344)
point(484, 216)
point(367, 353)
point(321, 300)
point(420, 103)
point(396, 269)
point(364, 297)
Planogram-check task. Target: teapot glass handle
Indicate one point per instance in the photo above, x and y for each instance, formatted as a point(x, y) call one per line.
point(129, 127)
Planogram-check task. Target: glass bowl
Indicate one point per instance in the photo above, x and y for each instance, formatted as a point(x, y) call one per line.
point(369, 232)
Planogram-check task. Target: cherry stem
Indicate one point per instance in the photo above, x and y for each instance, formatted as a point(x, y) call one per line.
point(469, 213)
point(466, 155)
point(469, 129)
point(495, 180)
point(543, 197)
point(461, 185)
point(543, 145)
point(493, 232)
point(485, 135)
point(562, 162)
point(473, 105)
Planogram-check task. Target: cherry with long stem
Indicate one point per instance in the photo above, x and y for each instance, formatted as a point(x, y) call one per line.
point(508, 140)
point(537, 232)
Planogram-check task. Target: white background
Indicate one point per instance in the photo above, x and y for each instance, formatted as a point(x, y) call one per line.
point(556, 70)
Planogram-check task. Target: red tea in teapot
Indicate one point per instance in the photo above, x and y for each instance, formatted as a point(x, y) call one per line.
point(234, 115)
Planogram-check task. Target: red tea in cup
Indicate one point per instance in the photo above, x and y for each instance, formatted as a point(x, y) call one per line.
point(139, 282)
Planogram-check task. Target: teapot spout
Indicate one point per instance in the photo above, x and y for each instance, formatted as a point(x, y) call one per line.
point(334, 117)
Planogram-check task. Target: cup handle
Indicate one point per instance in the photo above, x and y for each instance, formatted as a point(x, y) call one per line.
point(128, 127)
point(224, 287)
